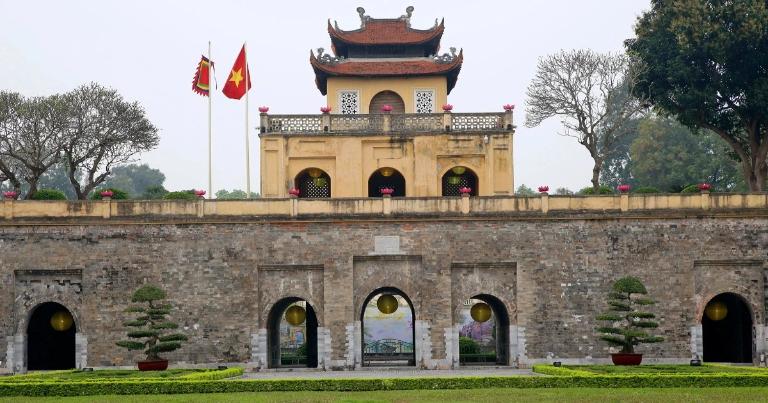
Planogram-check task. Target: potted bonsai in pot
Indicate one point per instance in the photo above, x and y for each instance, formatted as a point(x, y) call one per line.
point(627, 323)
point(149, 330)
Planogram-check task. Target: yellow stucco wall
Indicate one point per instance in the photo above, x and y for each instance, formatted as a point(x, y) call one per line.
point(421, 159)
point(403, 86)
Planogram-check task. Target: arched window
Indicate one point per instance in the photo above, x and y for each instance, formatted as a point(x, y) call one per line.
point(727, 329)
point(313, 183)
point(387, 98)
point(459, 177)
point(51, 338)
point(386, 178)
point(387, 320)
point(484, 332)
point(292, 334)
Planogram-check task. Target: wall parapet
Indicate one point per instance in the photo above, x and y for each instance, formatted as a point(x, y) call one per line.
point(395, 207)
point(382, 123)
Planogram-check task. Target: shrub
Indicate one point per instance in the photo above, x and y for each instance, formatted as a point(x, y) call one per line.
point(626, 324)
point(49, 194)
point(180, 195)
point(691, 189)
point(467, 345)
point(151, 324)
point(117, 194)
point(646, 189)
point(604, 190)
point(154, 193)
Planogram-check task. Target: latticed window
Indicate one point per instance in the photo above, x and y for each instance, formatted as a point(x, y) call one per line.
point(457, 178)
point(350, 102)
point(425, 101)
point(313, 183)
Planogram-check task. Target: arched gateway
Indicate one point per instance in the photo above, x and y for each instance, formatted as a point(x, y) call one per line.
point(387, 320)
point(292, 334)
point(727, 329)
point(484, 334)
point(51, 338)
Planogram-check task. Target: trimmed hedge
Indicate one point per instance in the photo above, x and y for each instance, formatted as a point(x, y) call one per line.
point(49, 194)
point(176, 386)
point(214, 375)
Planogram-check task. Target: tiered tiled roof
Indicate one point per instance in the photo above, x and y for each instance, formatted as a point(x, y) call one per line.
point(395, 31)
point(385, 68)
point(385, 48)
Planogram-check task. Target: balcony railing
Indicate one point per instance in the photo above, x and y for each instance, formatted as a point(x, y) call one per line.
point(386, 123)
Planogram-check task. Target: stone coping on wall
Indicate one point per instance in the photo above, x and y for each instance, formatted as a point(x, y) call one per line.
point(543, 206)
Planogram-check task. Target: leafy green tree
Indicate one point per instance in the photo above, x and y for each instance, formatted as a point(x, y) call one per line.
point(134, 178)
point(627, 324)
point(563, 191)
point(523, 190)
point(669, 156)
point(705, 62)
point(151, 324)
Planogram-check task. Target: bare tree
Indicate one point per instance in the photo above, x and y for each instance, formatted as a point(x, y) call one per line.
point(590, 92)
point(104, 130)
point(31, 134)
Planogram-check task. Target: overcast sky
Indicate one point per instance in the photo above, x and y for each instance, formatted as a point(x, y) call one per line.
point(148, 51)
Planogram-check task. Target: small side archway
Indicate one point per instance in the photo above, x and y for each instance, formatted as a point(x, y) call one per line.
point(313, 183)
point(459, 177)
point(727, 329)
point(486, 342)
point(390, 98)
point(291, 344)
point(386, 178)
point(51, 334)
point(388, 332)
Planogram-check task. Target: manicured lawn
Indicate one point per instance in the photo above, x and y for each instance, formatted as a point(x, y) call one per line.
point(667, 369)
point(484, 395)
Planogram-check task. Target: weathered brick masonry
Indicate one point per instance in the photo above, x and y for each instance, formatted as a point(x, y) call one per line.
point(550, 272)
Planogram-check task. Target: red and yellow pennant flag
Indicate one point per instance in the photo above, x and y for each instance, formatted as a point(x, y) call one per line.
point(201, 84)
point(236, 86)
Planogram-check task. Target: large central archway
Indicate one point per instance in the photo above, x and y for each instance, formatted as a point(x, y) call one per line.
point(390, 98)
point(387, 320)
point(484, 332)
point(51, 338)
point(292, 334)
point(727, 329)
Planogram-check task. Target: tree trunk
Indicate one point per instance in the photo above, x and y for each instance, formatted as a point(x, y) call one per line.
point(754, 175)
point(596, 175)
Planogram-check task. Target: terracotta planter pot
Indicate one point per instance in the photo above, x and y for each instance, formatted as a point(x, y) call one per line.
point(159, 365)
point(626, 359)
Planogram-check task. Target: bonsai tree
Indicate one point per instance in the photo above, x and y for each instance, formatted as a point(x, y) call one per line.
point(147, 330)
point(627, 323)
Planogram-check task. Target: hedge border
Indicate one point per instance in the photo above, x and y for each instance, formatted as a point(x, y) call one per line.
point(40, 377)
point(340, 385)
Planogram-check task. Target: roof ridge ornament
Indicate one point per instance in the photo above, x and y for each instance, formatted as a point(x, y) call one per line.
point(363, 18)
point(407, 16)
point(326, 58)
point(446, 57)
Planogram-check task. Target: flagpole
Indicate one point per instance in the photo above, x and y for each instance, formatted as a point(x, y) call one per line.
point(210, 135)
point(247, 140)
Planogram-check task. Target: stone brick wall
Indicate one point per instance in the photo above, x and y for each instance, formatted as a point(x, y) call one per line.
point(552, 275)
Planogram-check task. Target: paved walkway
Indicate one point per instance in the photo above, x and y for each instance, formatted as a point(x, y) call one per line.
point(385, 373)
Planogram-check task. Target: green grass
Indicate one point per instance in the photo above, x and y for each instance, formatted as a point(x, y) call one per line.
point(488, 395)
point(666, 369)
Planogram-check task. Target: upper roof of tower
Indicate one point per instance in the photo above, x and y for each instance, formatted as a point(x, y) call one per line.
point(385, 47)
point(386, 31)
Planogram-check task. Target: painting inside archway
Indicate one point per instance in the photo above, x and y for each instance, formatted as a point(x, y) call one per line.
point(51, 338)
point(388, 338)
point(483, 343)
point(293, 345)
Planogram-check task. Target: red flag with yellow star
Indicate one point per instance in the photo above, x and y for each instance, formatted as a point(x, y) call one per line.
point(235, 87)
